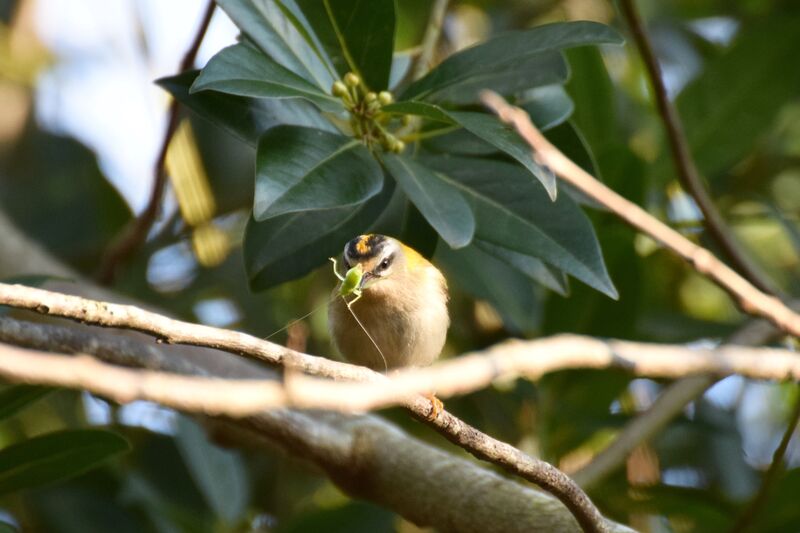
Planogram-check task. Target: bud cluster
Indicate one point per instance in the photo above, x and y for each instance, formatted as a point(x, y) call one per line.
point(366, 117)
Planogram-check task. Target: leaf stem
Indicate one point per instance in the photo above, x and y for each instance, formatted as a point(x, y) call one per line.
point(431, 37)
point(420, 135)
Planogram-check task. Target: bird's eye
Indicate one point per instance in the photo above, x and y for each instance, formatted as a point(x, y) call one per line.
point(385, 263)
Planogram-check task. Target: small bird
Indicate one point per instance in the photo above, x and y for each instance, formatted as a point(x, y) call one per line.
point(402, 306)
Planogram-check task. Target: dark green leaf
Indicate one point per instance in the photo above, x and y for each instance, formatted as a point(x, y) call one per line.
point(548, 106)
point(487, 128)
point(572, 144)
point(299, 169)
point(535, 269)
point(5, 527)
point(740, 92)
point(593, 92)
point(358, 35)
point(17, 397)
point(509, 63)
point(243, 70)
point(437, 199)
point(494, 132)
point(274, 27)
point(290, 246)
point(487, 278)
point(246, 118)
point(219, 474)
point(514, 213)
point(56, 456)
point(422, 109)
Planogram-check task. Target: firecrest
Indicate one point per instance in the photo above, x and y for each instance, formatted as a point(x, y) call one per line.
point(399, 317)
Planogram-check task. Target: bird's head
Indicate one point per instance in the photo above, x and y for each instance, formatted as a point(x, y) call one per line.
point(381, 258)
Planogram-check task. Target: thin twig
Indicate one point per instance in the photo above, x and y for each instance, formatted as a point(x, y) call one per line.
point(682, 157)
point(462, 375)
point(133, 235)
point(669, 404)
point(431, 37)
point(748, 297)
point(776, 467)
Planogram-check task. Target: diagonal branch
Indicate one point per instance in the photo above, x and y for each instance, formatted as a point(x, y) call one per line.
point(749, 298)
point(776, 468)
point(682, 156)
point(133, 236)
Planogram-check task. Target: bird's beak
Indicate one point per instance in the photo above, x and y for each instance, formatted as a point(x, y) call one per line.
point(367, 276)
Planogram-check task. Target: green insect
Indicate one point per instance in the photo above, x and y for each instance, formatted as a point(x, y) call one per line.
point(351, 284)
point(351, 281)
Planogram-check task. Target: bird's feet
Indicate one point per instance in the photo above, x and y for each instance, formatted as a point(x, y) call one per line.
point(436, 406)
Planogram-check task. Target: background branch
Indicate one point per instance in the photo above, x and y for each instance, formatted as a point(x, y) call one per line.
point(133, 236)
point(776, 468)
point(682, 156)
point(670, 403)
point(431, 37)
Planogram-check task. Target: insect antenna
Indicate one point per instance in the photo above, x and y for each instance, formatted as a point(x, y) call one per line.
point(296, 320)
point(375, 344)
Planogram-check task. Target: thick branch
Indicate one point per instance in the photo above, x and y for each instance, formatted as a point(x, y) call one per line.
point(682, 156)
point(477, 443)
point(749, 298)
point(366, 456)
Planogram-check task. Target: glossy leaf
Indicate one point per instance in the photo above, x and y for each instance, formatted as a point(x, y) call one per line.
point(243, 70)
point(509, 63)
point(535, 269)
point(442, 204)
point(486, 128)
point(422, 109)
point(17, 397)
point(514, 213)
point(358, 35)
point(299, 169)
point(494, 132)
point(290, 246)
point(219, 474)
point(547, 106)
point(487, 278)
point(246, 118)
point(274, 27)
point(56, 456)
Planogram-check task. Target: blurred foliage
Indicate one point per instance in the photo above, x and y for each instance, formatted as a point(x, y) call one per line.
point(730, 67)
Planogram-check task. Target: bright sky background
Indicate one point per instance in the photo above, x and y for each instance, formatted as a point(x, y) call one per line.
point(100, 89)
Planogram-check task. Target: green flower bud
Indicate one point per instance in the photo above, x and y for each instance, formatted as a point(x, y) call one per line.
point(352, 79)
point(399, 146)
point(385, 97)
point(339, 89)
point(370, 97)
